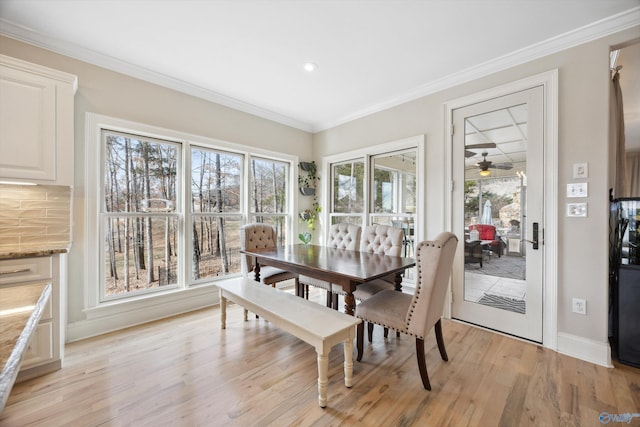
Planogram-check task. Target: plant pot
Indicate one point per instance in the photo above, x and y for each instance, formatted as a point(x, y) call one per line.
point(306, 166)
point(305, 237)
point(307, 191)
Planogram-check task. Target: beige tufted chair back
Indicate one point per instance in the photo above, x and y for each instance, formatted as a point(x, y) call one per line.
point(256, 236)
point(434, 260)
point(344, 236)
point(382, 239)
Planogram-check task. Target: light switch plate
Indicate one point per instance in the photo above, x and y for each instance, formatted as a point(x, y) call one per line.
point(577, 189)
point(577, 210)
point(580, 170)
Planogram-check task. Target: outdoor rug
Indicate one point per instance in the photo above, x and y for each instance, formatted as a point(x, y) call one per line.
point(517, 306)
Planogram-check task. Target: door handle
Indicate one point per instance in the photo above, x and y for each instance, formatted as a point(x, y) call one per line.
point(534, 242)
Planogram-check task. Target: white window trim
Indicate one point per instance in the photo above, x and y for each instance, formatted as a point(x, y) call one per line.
point(411, 143)
point(162, 303)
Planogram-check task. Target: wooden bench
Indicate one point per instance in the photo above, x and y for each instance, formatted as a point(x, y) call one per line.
point(313, 323)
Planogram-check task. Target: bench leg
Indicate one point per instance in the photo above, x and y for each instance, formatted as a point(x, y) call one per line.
point(323, 379)
point(246, 315)
point(348, 362)
point(223, 311)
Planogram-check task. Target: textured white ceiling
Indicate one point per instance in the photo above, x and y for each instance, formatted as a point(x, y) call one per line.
point(249, 54)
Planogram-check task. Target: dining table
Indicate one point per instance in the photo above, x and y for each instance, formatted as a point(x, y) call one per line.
point(343, 267)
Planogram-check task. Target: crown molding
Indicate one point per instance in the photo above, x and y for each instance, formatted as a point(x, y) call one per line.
point(25, 35)
point(594, 31)
point(598, 29)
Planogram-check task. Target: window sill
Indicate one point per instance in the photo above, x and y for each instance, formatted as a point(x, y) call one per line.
point(156, 301)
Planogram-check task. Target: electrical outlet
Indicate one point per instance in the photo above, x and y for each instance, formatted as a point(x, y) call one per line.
point(579, 306)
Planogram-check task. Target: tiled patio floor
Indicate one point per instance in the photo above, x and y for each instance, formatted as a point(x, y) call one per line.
point(498, 279)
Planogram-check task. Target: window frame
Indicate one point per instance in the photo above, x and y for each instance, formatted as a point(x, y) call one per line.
point(367, 155)
point(231, 214)
point(94, 305)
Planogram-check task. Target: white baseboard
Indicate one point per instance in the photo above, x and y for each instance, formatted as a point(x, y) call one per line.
point(109, 319)
point(585, 349)
point(113, 317)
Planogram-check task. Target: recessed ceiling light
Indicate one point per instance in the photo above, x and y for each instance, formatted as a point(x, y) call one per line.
point(310, 67)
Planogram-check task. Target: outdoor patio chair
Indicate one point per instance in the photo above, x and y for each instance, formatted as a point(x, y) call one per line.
point(487, 233)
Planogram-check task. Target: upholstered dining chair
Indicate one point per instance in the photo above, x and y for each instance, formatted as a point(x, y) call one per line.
point(379, 239)
point(341, 236)
point(415, 314)
point(407, 240)
point(262, 236)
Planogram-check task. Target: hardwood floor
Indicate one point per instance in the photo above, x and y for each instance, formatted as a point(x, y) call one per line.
point(185, 371)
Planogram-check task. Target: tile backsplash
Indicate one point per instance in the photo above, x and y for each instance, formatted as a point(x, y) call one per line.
point(34, 216)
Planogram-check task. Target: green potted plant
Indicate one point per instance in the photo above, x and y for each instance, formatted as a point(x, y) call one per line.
point(307, 183)
point(309, 216)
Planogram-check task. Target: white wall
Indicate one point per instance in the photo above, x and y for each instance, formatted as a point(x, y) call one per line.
point(108, 93)
point(583, 116)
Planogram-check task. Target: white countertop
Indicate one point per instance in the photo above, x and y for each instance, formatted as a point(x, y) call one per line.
point(21, 308)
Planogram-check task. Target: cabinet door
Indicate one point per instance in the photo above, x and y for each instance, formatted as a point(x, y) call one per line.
point(40, 348)
point(27, 125)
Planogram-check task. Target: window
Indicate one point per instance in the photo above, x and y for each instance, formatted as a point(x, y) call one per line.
point(216, 200)
point(379, 185)
point(392, 180)
point(348, 192)
point(394, 187)
point(140, 213)
point(268, 198)
point(169, 209)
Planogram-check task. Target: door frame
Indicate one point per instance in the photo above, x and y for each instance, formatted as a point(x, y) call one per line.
point(549, 81)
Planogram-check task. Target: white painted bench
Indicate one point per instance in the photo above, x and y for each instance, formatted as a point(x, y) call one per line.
point(313, 323)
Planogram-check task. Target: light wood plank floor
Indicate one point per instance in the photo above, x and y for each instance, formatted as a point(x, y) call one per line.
point(185, 371)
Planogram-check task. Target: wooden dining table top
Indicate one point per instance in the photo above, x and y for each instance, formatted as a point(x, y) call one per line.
point(348, 264)
point(343, 267)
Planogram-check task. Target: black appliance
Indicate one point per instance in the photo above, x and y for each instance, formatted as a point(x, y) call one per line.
point(624, 279)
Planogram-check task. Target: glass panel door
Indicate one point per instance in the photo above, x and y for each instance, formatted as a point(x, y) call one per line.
point(499, 146)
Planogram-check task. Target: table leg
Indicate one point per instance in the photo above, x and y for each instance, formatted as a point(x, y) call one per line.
point(256, 271)
point(348, 362)
point(398, 287)
point(323, 375)
point(223, 311)
point(398, 282)
point(349, 303)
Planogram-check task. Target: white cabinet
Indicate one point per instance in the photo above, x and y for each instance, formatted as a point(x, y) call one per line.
point(46, 349)
point(36, 123)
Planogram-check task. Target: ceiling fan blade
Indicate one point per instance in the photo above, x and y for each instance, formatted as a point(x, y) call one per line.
point(505, 166)
point(468, 153)
point(483, 145)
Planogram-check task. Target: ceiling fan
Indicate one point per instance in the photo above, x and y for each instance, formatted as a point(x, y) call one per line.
point(468, 148)
point(485, 165)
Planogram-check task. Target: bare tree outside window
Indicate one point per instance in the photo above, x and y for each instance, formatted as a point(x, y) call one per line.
point(216, 181)
point(347, 192)
point(269, 181)
point(139, 185)
point(164, 228)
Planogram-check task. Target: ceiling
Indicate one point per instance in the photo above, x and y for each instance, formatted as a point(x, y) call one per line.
point(371, 55)
point(506, 129)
